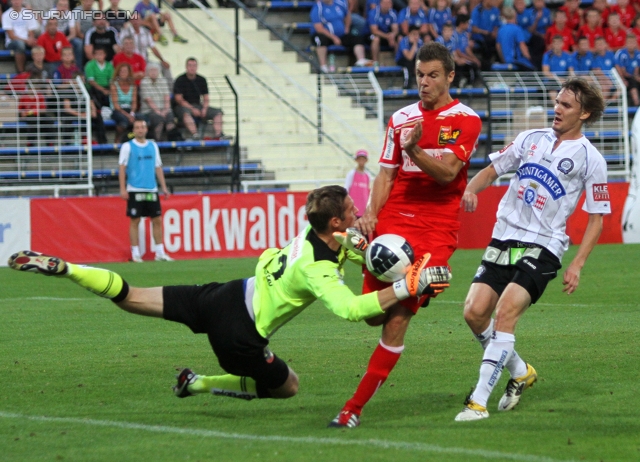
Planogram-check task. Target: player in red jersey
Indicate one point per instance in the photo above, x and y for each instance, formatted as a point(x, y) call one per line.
point(417, 194)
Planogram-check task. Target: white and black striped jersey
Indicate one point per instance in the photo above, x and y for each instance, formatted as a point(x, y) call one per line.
point(546, 187)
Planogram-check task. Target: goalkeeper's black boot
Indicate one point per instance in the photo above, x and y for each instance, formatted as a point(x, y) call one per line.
point(28, 260)
point(185, 378)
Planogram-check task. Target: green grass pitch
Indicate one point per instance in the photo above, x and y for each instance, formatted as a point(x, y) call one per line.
point(84, 381)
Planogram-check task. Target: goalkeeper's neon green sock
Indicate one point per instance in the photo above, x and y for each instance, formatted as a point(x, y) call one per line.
point(226, 385)
point(101, 282)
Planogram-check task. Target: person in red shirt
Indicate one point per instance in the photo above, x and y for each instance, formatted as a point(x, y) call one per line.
point(603, 8)
point(614, 34)
point(636, 28)
point(575, 19)
point(53, 42)
point(626, 12)
point(136, 61)
point(559, 27)
point(592, 28)
point(417, 194)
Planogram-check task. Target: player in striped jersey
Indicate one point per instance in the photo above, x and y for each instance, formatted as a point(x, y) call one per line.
point(553, 167)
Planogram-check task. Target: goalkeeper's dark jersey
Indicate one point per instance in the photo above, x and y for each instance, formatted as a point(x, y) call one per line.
point(290, 279)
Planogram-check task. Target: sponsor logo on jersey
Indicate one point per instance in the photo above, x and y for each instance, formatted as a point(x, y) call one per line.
point(390, 145)
point(532, 150)
point(545, 177)
point(530, 196)
point(448, 135)
point(565, 166)
point(501, 151)
point(408, 165)
point(601, 192)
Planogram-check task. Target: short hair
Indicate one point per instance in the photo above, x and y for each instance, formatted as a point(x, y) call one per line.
point(589, 96)
point(508, 12)
point(434, 51)
point(413, 27)
point(462, 18)
point(191, 59)
point(38, 48)
point(558, 37)
point(323, 204)
point(584, 37)
point(447, 25)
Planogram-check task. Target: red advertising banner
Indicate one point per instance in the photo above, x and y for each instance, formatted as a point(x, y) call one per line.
point(96, 229)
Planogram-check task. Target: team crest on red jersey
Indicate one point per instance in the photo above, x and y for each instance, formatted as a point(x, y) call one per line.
point(448, 136)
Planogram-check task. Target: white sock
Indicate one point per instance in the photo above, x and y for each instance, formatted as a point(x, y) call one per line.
point(135, 251)
point(485, 337)
point(496, 355)
point(160, 249)
point(516, 366)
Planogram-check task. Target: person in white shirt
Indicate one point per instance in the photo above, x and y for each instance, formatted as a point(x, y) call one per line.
point(20, 32)
point(553, 167)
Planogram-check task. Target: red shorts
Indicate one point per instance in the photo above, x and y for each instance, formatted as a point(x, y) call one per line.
point(439, 238)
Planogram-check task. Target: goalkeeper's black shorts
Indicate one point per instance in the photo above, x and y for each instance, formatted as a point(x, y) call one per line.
point(219, 311)
point(532, 272)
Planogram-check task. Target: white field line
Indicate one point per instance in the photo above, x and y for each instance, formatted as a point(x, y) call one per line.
point(55, 299)
point(308, 440)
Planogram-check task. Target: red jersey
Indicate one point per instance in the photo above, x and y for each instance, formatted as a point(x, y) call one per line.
point(591, 34)
point(567, 37)
point(636, 31)
point(136, 61)
point(615, 40)
point(53, 46)
point(626, 15)
point(573, 19)
point(453, 128)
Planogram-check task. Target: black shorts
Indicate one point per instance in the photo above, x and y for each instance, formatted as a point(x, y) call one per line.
point(143, 204)
point(532, 269)
point(348, 40)
point(219, 311)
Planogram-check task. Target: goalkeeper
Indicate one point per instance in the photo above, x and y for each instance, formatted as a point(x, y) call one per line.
point(239, 316)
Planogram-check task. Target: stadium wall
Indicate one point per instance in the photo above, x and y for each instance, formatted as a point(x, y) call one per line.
point(95, 229)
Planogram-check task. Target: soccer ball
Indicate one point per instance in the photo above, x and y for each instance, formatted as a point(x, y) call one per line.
point(389, 257)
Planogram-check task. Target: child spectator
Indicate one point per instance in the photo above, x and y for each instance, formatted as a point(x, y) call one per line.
point(625, 11)
point(76, 111)
point(511, 43)
point(52, 41)
point(539, 18)
point(413, 15)
point(627, 62)
point(37, 66)
point(358, 182)
point(485, 22)
point(575, 18)
point(383, 23)
point(559, 27)
point(636, 28)
point(154, 19)
point(582, 58)
point(556, 60)
point(614, 34)
point(406, 55)
point(592, 28)
point(98, 73)
point(67, 25)
point(447, 38)
point(603, 61)
point(467, 64)
point(438, 17)
point(67, 69)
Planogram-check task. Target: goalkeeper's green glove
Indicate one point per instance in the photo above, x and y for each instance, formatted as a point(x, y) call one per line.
point(352, 239)
point(422, 280)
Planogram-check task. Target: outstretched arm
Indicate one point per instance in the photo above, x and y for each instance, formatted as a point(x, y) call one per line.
point(571, 277)
point(478, 183)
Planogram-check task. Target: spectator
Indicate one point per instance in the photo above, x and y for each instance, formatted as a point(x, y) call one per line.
point(83, 22)
point(614, 34)
point(155, 97)
point(438, 17)
point(331, 25)
point(358, 181)
point(559, 27)
point(467, 64)
point(511, 42)
point(582, 58)
point(67, 25)
point(39, 6)
point(136, 61)
point(556, 61)
point(32, 106)
point(20, 32)
point(103, 36)
point(636, 28)
point(539, 18)
point(626, 11)
point(99, 72)
point(191, 94)
point(603, 61)
point(383, 23)
point(485, 22)
point(601, 7)
point(77, 111)
point(117, 18)
point(447, 39)
point(124, 101)
point(413, 15)
point(52, 41)
point(575, 19)
point(37, 65)
point(143, 41)
point(67, 69)
point(154, 19)
point(627, 62)
point(406, 56)
point(592, 28)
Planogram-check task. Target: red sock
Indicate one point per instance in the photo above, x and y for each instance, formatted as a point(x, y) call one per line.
point(380, 366)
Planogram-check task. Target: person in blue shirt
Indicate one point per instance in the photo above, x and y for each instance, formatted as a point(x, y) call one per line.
point(467, 64)
point(556, 61)
point(447, 39)
point(383, 23)
point(438, 17)
point(413, 15)
point(627, 62)
point(511, 42)
point(331, 26)
point(526, 18)
point(406, 55)
point(538, 17)
point(582, 57)
point(603, 61)
point(485, 22)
